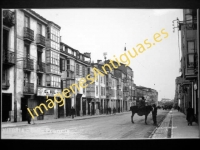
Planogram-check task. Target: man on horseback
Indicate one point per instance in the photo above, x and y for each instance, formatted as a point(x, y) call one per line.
point(141, 103)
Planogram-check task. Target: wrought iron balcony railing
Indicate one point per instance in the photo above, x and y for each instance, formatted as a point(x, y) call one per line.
point(8, 18)
point(8, 57)
point(29, 88)
point(40, 41)
point(28, 34)
point(28, 64)
point(41, 67)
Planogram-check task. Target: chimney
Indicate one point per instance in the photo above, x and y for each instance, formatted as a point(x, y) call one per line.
point(98, 61)
point(60, 38)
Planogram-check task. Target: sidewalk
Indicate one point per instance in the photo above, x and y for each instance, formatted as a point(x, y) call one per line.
point(181, 128)
point(25, 123)
point(175, 126)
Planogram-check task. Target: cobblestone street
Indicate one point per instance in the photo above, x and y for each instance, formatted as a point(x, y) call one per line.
point(108, 128)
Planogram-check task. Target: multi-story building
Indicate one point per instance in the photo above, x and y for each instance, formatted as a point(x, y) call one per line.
point(188, 81)
point(37, 65)
point(8, 62)
point(67, 69)
point(74, 66)
point(151, 95)
point(32, 44)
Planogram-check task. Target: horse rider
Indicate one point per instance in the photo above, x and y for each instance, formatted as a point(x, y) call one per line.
point(141, 103)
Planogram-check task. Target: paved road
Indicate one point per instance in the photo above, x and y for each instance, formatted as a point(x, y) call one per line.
point(108, 128)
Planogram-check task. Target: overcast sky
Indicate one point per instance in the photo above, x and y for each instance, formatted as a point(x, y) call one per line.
point(107, 30)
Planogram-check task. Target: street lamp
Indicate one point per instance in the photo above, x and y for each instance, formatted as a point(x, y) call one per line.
point(104, 54)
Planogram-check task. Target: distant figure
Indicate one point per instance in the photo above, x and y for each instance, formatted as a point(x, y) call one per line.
point(190, 115)
point(114, 110)
point(154, 114)
point(72, 112)
point(28, 116)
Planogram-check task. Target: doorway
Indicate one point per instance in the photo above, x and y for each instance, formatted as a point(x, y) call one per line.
point(84, 105)
point(68, 106)
point(24, 104)
point(60, 109)
point(6, 106)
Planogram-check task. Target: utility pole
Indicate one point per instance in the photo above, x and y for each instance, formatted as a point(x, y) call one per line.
point(15, 68)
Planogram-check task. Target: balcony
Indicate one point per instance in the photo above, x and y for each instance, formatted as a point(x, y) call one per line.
point(28, 64)
point(41, 67)
point(108, 92)
point(70, 68)
point(28, 88)
point(90, 94)
point(40, 41)
point(5, 84)
point(119, 94)
point(109, 82)
point(8, 57)
point(28, 34)
point(126, 89)
point(8, 18)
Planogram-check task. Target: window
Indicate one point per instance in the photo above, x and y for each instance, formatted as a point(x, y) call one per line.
point(102, 91)
point(26, 51)
point(4, 76)
point(69, 51)
point(62, 65)
point(53, 81)
point(191, 46)
point(83, 70)
point(64, 83)
point(39, 28)
point(77, 69)
point(97, 90)
point(55, 38)
point(26, 78)
point(88, 70)
point(39, 80)
point(191, 55)
point(26, 21)
point(48, 80)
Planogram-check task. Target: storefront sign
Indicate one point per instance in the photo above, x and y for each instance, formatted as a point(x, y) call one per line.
point(47, 91)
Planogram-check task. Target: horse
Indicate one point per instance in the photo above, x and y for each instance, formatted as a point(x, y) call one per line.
point(141, 111)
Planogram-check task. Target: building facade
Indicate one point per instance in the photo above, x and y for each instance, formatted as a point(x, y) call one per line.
point(187, 83)
point(37, 65)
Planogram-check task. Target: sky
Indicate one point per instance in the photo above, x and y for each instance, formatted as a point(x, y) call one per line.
point(107, 30)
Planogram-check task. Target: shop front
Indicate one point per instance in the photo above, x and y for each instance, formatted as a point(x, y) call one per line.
point(43, 94)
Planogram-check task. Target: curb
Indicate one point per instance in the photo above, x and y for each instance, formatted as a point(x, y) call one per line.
point(63, 120)
point(154, 131)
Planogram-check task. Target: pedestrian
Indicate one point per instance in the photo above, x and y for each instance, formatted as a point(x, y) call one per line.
point(190, 115)
point(32, 119)
point(28, 116)
point(72, 112)
point(114, 110)
point(154, 114)
point(178, 108)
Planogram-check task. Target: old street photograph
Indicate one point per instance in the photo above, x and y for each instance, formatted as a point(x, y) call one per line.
point(100, 74)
